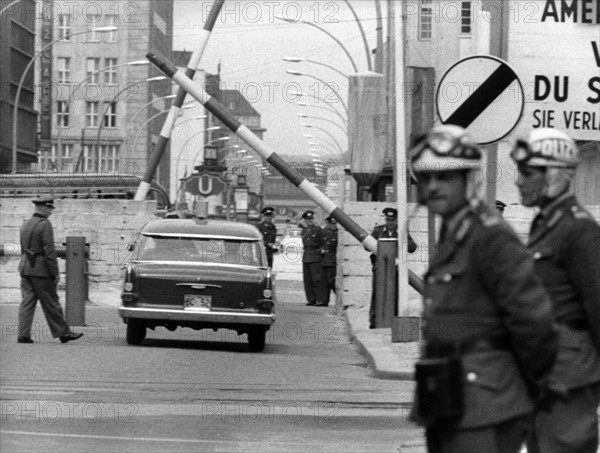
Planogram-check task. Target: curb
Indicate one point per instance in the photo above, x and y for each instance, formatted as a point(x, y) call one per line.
point(383, 359)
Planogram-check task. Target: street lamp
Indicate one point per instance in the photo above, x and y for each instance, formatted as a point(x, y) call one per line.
point(298, 60)
point(362, 34)
point(306, 104)
point(298, 73)
point(22, 81)
point(80, 84)
point(342, 128)
point(116, 96)
point(294, 21)
point(143, 107)
point(329, 105)
point(312, 126)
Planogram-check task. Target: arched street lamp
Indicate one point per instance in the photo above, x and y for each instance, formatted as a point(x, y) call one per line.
point(80, 84)
point(143, 107)
point(22, 81)
point(298, 73)
point(294, 21)
point(327, 105)
point(341, 128)
point(312, 126)
point(116, 96)
point(298, 60)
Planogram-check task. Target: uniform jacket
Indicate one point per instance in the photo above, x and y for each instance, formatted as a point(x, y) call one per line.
point(565, 244)
point(481, 294)
point(330, 242)
point(312, 242)
point(382, 231)
point(37, 236)
point(269, 232)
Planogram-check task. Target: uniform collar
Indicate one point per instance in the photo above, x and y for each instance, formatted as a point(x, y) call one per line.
point(565, 200)
point(41, 216)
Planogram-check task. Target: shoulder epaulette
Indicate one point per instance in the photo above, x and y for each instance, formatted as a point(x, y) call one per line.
point(554, 219)
point(580, 213)
point(463, 229)
point(489, 221)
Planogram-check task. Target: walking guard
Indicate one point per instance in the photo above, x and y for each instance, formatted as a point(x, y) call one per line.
point(489, 341)
point(388, 230)
point(329, 255)
point(269, 232)
point(315, 286)
point(40, 275)
point(565, 244)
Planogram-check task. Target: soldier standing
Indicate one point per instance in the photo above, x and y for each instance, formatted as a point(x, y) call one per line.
point(269, 232)
point(565, 243)
point(389, 230)
point(312, 271)
point(487, 322)
point(329, 252)
point(40, 275)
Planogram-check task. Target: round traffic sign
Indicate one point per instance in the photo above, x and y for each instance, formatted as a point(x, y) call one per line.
point(482, 94)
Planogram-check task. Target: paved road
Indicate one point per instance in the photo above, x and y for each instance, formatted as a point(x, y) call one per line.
point(199, 391)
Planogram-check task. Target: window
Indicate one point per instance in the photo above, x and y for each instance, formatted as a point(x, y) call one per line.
point(110, 74)
point(425, 21)
point(101, 158)
point(62, 114)
point(91, 114)
point(48, 159)
point(111, 21)
point(466, 18)
point(110, 119)
point(64, 27)
point(64, 69)
point(92, 68)
point(93, 21)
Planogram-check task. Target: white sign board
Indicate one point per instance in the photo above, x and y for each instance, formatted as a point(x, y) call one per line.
point(554, 46)
point(482, 94)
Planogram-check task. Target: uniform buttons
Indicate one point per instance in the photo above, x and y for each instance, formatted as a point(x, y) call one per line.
point(471, 377)
point(537, 255)
point(431, 279)
point(428, 301)
point(446, 278)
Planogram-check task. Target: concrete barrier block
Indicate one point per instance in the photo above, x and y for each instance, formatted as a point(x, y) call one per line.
point(355, 268)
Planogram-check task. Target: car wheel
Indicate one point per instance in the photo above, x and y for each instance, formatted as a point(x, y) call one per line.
point(257, 340)
point(136, 331)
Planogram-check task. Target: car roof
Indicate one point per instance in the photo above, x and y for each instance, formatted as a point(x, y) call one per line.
point(215, 229)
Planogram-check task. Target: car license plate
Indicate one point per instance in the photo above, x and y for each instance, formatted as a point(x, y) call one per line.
point(195, 302)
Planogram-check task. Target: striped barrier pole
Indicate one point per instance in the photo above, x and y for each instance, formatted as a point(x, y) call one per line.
point(165, 133)
point(289, 172)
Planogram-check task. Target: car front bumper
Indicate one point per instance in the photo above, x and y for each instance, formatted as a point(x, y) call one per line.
point(208, 317)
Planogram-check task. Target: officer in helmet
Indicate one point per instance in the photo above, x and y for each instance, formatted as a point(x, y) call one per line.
point(486, 325)
point(564, 241)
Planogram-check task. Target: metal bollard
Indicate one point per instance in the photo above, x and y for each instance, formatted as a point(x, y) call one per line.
point(77, 287)
point(386, 278)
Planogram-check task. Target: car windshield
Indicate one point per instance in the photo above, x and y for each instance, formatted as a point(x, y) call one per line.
point(202, 250)
point(293, 233)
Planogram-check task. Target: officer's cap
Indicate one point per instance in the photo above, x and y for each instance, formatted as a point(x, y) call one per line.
point(500, 204)
point(546, 147)
point(390, 213)
point(445, 148)
point(308, 215)
point(48, 202)
point(268, 211)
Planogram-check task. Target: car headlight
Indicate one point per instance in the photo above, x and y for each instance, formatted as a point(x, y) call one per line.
point(267, 293)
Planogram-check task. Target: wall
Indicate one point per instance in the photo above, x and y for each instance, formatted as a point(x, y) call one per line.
point(108, 226)
point(354, 267)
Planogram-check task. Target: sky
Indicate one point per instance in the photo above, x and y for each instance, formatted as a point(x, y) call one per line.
point(249, 43)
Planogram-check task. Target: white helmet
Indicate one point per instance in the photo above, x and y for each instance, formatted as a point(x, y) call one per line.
point(546, 147)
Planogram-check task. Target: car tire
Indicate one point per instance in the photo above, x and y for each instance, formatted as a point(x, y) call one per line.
point(136, 331)
point(257, 340)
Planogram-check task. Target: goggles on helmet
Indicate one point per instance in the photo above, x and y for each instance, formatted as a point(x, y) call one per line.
point(444, 144)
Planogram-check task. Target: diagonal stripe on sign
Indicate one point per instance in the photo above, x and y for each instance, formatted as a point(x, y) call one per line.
point(482, 97)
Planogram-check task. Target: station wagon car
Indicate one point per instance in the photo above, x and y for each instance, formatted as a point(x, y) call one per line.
point(202, 274)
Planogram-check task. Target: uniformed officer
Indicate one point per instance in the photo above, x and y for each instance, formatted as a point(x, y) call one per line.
point(329, 252)
point(388, 230)
point(315, 286)
point(565, 243)
point(489, 340)
point(40, 275)
point(500, 207)
point(269, 232)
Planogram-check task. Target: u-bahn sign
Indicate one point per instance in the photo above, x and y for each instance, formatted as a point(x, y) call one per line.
point(482, 94)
